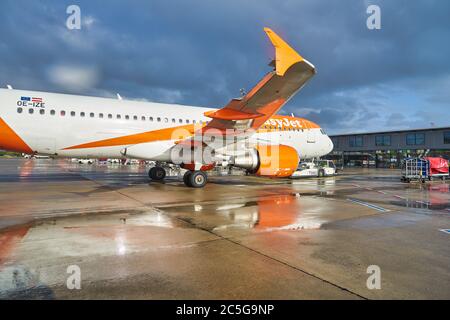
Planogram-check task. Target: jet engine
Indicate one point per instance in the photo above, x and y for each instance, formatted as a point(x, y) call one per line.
point(268, 160)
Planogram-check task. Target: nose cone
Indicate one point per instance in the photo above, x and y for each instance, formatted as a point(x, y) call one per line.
point(330, 146)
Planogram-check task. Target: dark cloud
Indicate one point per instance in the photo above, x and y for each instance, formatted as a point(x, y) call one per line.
point(202, 52)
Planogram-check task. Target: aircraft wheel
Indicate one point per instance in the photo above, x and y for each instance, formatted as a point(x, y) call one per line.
point(186, 178)
point(157, 173)
point(197, 179)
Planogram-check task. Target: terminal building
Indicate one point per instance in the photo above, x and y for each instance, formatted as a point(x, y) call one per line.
point(388, 149)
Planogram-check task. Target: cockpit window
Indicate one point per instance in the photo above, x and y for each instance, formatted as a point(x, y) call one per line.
point(323, 132)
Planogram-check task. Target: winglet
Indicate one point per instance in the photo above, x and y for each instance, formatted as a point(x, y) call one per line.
point(285, 56)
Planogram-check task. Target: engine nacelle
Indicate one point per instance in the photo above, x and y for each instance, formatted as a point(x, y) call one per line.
point(269, 160)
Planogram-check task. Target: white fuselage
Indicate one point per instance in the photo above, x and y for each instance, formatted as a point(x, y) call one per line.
point(55, 122)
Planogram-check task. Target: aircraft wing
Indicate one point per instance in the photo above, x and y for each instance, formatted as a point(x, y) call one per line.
point(291, 73)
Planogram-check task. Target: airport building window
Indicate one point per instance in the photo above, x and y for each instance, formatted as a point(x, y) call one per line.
point(413, 139)
point(42, 111)
point(335, 142)
point(420, 138)
point(383, 140)
point(447, 137)
point(19, 110)
point(30, 111)
point(355, 141)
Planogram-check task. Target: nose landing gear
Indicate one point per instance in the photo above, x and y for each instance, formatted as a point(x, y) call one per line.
point(195, 179)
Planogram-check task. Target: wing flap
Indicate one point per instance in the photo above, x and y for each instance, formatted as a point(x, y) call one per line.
point(232, 114)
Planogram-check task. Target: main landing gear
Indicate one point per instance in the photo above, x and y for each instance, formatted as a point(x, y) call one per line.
point(195, 179)
point(192, 179)
point(157, 173)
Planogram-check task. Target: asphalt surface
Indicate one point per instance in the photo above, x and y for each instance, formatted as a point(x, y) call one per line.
point(238, 238)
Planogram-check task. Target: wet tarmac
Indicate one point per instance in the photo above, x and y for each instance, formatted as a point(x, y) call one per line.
point(238, 238)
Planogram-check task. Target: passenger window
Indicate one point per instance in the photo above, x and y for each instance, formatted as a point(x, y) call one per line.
point(72, 113)
point(127, 117)
point(143, 118)
point(100, 115)
point(82, 114)
point(173, 121)
point(187, 121)
point(92, 115)
point(63, 113)
point(159, 119)
point(151, 118)
point(19, 110)
point(193, 121)
point(42, 111)
point(119, 116)
point(109, 116)
point(166, 120)
point(180, 120)
point(135, 117)
point(30, 111)
point(52, 112)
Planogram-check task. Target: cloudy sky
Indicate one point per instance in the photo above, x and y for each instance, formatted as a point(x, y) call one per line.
point(203, 52)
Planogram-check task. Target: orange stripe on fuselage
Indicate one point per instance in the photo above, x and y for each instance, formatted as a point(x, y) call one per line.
point(183, 132)
point(173, 133)
point(10, 141)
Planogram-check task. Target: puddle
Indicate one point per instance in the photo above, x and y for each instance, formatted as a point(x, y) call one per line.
point(392, 220)
point(19, 283)
point(9, 239)
point(271, 213)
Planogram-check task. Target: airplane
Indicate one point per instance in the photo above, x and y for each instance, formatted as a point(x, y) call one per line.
point(246, 133)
